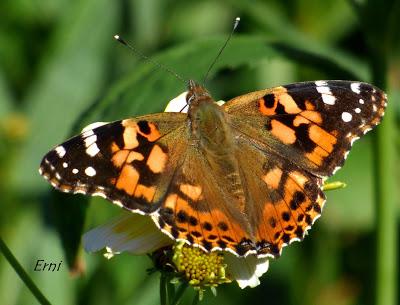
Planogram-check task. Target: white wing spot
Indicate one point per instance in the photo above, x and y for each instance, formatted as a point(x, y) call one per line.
point(90, 171)
point(90, 140)
point(87, 133)
point(92, 150)
point(357, 110)
point(346, 117)
point(60, 151)
point(324, 90)
point(326, 94)
point(355, 87)
point(93, 126)
point(328, 99)
point(65, 164)
point(374, 108)
point(361, 101)
point(321, 83)
point(75, 171)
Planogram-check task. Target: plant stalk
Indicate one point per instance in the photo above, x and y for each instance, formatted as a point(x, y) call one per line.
point(385, 198)
point(22, 273)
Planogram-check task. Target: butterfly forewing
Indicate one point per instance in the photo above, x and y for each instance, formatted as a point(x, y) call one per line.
point(129, 161)
point(312, 124)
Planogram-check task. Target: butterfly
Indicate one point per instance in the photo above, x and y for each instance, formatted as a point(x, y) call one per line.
point(244, 177)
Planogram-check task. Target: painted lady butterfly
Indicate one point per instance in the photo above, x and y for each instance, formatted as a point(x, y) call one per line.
point(244, 177)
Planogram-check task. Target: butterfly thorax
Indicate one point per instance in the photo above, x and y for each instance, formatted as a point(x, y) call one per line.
point(209, 122)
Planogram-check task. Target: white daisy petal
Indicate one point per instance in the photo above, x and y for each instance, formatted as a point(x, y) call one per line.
point(247, 270)
point(110, 253)
point(131, 232)
point(179, 104)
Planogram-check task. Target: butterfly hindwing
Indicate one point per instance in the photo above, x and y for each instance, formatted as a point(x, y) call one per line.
point(128, 162)
point(282, 199)
point(312, 124)
point(199, 208)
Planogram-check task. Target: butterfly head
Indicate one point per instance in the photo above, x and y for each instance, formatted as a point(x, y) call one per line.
point(196, 93)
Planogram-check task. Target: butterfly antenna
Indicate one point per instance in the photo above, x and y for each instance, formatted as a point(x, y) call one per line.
point(235, 25)
point(144, 57)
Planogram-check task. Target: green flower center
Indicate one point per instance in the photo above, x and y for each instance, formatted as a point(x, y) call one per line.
point(200, 268)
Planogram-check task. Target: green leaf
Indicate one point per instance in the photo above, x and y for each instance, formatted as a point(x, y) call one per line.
point(380, 21)
point(68, 214)
point(71, 75)
point(147, 89)
point(6, 100)
point(290, 40)
point(337, 67)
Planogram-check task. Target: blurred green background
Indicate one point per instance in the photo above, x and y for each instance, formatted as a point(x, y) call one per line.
point(60, 69)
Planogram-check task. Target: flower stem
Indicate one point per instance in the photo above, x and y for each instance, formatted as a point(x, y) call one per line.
point(179, 293)
point(22, 273)
point(163, 289)
point(170, 290)
point(385, 198)
point(196, 298)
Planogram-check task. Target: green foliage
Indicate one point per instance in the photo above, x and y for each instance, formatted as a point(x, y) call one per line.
point(60, 70)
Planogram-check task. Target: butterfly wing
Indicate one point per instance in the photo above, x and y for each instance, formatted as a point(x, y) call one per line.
point(288, 139)
point(312, 124)
point(129, 162)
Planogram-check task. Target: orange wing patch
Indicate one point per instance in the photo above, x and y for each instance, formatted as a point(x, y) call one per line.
point(313, 116)
point(288, 103)
point(119, 157)
point(284, 133)
point(273, 178)
point(157, 159)
point(132, 129)
point(128, 179)
point(322, 138)
point(192, 191)
point(130, 135)
point(146, 192)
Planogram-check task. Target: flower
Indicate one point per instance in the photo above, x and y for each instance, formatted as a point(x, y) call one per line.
point(137, 234)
